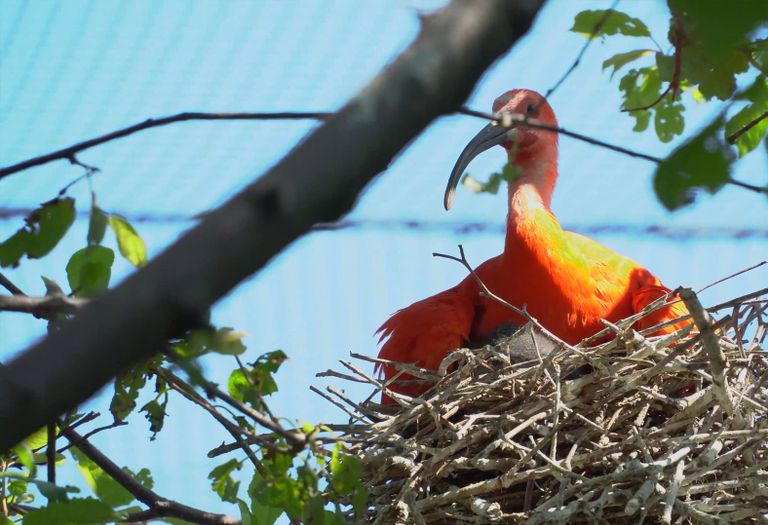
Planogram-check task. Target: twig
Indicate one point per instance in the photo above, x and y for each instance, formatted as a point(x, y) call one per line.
point(512, 119)
point(235, 431)
point(598, 25)
point(8, 285)
point(69, 153)
point(158, 506)
point(710, 341)
point(731, 276)
point(295, 439)
point(733, 137)
point(91, 433)
point(678, 40)
point(43, 306)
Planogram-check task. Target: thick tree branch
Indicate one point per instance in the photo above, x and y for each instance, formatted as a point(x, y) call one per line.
point(43, 306)
point(317, 182)
point(70, 153)
point(158, 506)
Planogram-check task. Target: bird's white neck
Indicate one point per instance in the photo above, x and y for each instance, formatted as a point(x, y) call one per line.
point(532, 188)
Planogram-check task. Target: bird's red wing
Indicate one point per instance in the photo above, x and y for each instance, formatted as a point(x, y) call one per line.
point(423, 333)
point(648, 292)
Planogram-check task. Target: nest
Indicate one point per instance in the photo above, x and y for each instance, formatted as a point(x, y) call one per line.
point(633, 429)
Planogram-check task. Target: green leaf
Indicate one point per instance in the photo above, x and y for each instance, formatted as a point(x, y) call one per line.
point(103, 485)
point(245, 513)
point(622, 59)
point(223, 483)
point(89, 270)
point(36, 440)
point(73, 512)
point(749, 140)
point(97, 226)
point(263, 513)
point(250, 384)
point(221, 341)
point(228, 342)
point(127, 387)
point(44, 228)
point(154, 412)
point(346, 470)
point(25, 457)
point(717, 42)
point(668, 120)
point(704, 162)
point(48, 224)
point(132, 247)
point(14, 248)
point(601, 22)
point(492, 185)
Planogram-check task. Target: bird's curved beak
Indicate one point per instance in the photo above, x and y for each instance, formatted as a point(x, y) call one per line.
point(491, 135)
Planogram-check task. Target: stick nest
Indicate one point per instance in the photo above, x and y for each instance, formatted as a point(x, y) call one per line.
point(633, 429)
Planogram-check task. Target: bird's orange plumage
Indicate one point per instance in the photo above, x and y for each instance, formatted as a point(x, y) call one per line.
point(568, 282)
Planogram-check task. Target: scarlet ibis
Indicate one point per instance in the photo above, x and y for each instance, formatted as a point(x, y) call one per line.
point(566, 281)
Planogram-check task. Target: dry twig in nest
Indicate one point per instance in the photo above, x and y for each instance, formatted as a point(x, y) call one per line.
point(633, 429)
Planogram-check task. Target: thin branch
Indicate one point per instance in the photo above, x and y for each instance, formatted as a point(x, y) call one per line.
point(8, 285)
point(733, 137)
point(747, 186)
point(598, 25)
point(43, 306)
point(97, 430)
point(513, 119)
point(158, 506)
point(69, 153)
point(186, 390)
point(731, 276)
point(678, 40)
point(296, 439)
point(510, 119)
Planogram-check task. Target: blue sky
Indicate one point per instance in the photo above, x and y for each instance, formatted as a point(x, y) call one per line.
point(76, 69)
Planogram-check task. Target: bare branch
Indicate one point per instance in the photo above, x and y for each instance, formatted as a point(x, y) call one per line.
point(512, 119)
point(8, 285)
point(318, 181)
point(158, 506)
point(537, 124)
point(295, 439)
point(70, 152)
point(43, 306)
point(186, 390)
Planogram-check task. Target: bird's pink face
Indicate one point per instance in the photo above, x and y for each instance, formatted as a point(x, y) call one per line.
point(529, 104)
point(526, 142)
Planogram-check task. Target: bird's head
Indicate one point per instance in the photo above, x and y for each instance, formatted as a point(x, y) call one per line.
point(523, 143)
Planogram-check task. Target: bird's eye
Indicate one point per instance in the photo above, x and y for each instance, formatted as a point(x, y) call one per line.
point(531, 110)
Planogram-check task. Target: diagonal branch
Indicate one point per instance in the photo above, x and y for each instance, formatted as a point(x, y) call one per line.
point(70, 152)
point(317, 182)
point(158, 506)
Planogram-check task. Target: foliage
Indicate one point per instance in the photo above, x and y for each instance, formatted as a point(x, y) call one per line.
point(714, 47)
